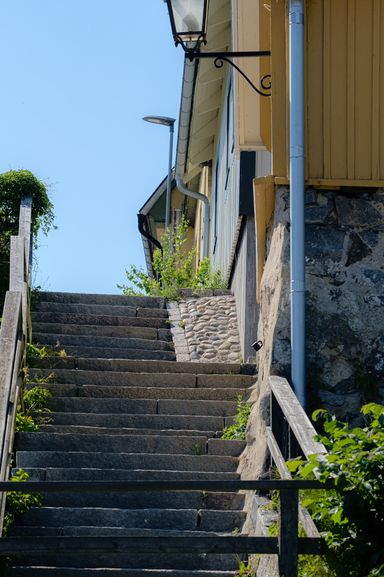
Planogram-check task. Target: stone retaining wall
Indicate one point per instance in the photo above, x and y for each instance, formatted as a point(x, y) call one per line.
point(204, 328)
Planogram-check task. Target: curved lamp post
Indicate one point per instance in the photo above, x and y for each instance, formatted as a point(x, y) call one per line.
point(166, 121)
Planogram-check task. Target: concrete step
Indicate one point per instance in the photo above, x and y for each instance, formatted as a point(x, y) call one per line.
point(60, 340)
point(121, 392)
point(99, 309)
point(174, 445)
point(160, 500)
point(140, 421)
point(116, 353)
point(84, 531)
point(99, 320)
point(49, 571)
point(167, 444)
point(139, 474)
point(137, 366)
point(143, 406)
point(78, 459)
point(182, 519)
point(141, 563)
point(101, 299)
point(103, 331)
point(127, 379)
point(74, 429)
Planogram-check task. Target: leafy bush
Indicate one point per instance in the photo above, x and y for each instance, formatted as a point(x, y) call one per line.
point(351, 516)
point(13, 186)
point(18, 503)
point(174, 269)
point(237, 430)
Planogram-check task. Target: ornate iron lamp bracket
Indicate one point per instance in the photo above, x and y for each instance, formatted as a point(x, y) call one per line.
point(220, 57)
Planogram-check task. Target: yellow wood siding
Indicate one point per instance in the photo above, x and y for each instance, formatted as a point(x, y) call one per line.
point(252, 32)
point(344, 67)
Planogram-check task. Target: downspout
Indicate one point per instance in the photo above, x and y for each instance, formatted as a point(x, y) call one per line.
point(297, 238)
point(182, 144)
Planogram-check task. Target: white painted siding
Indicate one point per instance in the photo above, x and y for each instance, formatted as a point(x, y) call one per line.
point(225, 194)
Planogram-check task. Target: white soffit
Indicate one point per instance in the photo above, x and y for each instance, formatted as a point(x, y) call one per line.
point(209, 86)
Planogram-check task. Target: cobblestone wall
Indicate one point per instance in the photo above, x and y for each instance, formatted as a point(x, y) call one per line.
point(205, 328)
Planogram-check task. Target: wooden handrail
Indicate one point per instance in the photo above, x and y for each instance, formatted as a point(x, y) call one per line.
point(291, 435)
point(14, 335)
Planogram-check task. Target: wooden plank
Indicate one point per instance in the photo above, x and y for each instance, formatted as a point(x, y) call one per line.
point(376, 90)
point(148, 486)
point(264, 197)
point(16, 266)
point(288, 533)
point(296, 416)
point(278, 459)
point(214, 545)
point(338, 88)
point(276, 455)
point(327, 89)
point(25, 226)
point(279, 98)
point(314, 88)
point(308, 523)
point(335, 183)
point(381, 88)
point(363, 88)
point(351, 90)
point(8, 340)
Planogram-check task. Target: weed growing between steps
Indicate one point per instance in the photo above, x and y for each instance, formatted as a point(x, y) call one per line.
point(35, 352)
point(174, 268)
point(18, 503)
point(32, 410)
point(245, 569)
point(236, 431)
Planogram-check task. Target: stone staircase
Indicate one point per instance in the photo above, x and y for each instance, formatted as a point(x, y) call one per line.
point(124, 409)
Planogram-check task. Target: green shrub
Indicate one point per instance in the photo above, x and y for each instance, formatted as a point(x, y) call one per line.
point(237, 430)
point(174, 268)
point(14, 185)
point(351, 516)
point(18, 503)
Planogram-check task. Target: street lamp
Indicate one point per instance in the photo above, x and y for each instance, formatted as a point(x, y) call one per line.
point(166, 121)
point(188, 22)
point(189, 28)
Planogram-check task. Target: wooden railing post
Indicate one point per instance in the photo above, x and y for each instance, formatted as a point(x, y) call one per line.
point(288, 532)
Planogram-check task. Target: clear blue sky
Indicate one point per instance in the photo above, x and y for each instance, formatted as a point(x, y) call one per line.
point(77, 76)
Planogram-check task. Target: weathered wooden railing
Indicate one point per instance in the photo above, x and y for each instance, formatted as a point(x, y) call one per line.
point(291, 435)
point(281, 545)
point(14, 333)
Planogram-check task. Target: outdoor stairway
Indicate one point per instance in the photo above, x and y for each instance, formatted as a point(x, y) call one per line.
point(104, 326)
point(128, 417)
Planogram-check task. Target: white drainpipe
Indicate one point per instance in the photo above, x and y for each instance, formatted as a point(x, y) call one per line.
point(297, 239)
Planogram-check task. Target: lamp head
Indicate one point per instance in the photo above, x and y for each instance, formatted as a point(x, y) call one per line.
point(165, 120)
point(188, 22)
